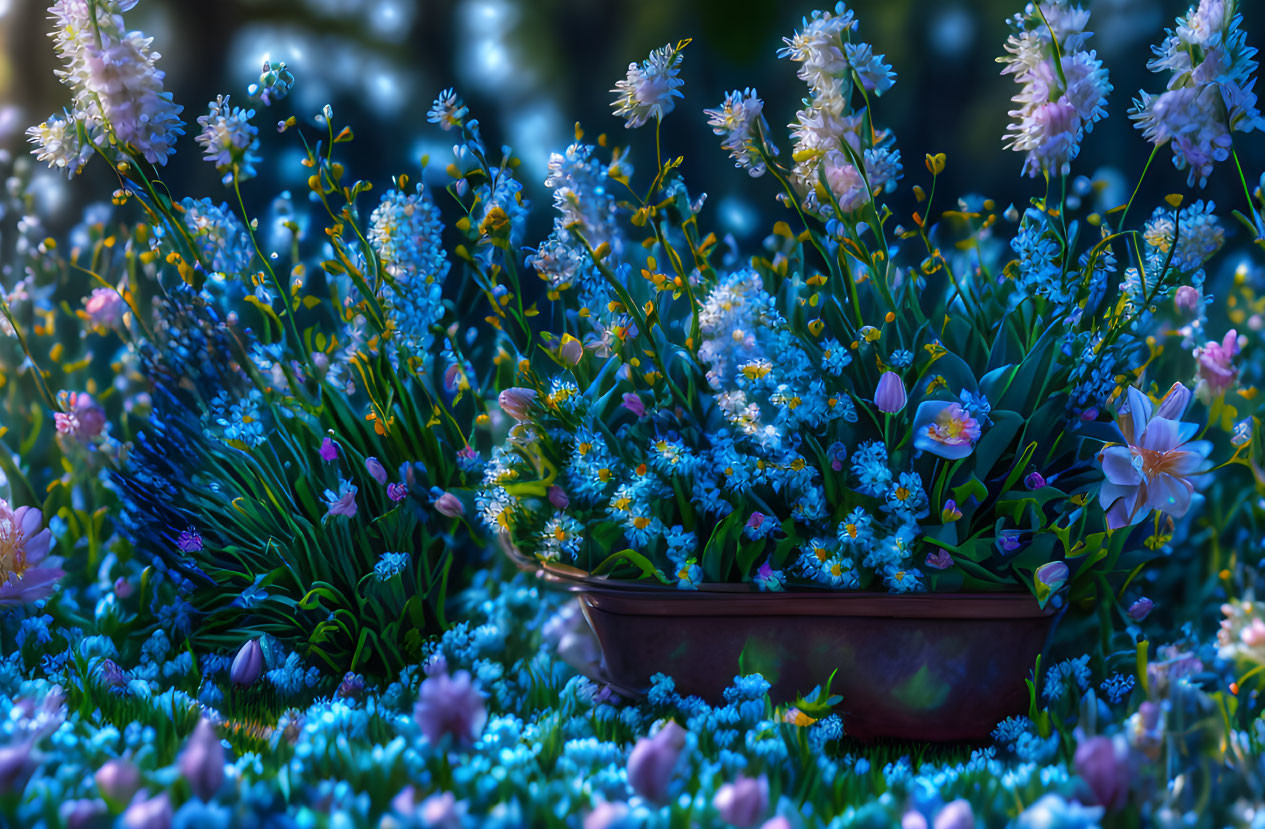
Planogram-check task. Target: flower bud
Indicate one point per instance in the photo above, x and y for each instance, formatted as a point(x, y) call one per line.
point(1034, 480)
point(1103, 763)
point(743, 802)
point(151, 813)
point(123, 588)
point(517, 402)
point(450, 705)
point(84, 814)
point(955, 815)
point(1052, 575)
point(1186, 298)
point(329, 450)
point(376, 470)
point(558, 497)
point(571, 351)
point(652, 761)
point(202, 761)
point(17, 763)
point(248, 665)
point(1174, 404)
point(450, 505)
point(1140, 609)
point(118, 780)
point(890, 395)
point(633, 403)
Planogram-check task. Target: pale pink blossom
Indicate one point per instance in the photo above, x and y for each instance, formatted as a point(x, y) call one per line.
point(27, 572)
point(1217, 372)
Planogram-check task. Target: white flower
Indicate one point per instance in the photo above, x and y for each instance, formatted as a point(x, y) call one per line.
point(648, 90)
point(740, 123)
point(448, 110)
point(58, 145)
point(229, 140)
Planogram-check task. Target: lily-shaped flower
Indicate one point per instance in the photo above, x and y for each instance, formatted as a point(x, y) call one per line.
point(945, 429)
point(1152, 470)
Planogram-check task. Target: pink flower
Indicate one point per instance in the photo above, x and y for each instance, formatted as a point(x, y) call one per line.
point(148, 813)
point(1105, 765)
point(1186, 298)
point(118, 780)
point(27, 572)
point(633, 403)
point(397, 492)
point(517, 402)
point(66, 423)
point(450, 705)
point(889, 396)
point(1153, 468)
point(653, 760)
point(449, 505)
point(571, 350)
point(329, 450)
point(104, 307)
point(743, 802)
point(945, 429)
point(1216, 365)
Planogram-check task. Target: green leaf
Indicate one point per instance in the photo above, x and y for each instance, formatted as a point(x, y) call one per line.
point(634, 558)
point(993, 445)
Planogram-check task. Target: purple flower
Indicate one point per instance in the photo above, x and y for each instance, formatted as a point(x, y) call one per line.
point(189, 540)
point(1152, 470)
point(118, 780)
point(1049, 578)
point(104, 308)
point(1104, 763)
point(653, 760)
point(939, 560)
point(202, 761)
point(571, 350)
point(351, 686)
point(1140, 609)
point(558, 497)
point(1008, 541)
point(1034, 480)
point(329, 450)
point(450, 705)
point(744, 801)
point(950, 512)
point(27, 572)
point(123, 588)
point(606, 815)
point(956, 814)
point(83, 814)
point(17, 763)
point(248, 664)
point(945, 429)
point(397, 492)
point(889, 396)
point(449, 505)
point(633, 403)
point(837, 454)
point(342, 502)
point(152, 813)
point(376, 470)
point(517, 402)
point(767, 578)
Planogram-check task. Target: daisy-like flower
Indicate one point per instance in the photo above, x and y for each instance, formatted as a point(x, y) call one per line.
point(1153, 469)
point(1064, 87)
point(561, 538)
point(27, 572)
point(448, 111)
point(229, 140)
point(945, 429)
point(650, 88)
point(1211, 89)
point(739, 121)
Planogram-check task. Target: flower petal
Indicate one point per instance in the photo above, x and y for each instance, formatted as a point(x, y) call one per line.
point(1117, 465)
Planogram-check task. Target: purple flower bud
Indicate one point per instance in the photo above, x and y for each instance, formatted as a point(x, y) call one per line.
point(606, 815)
point(744, 801)
point(955, 815)
point(558, 497)
point(652, 761)
point(939, 560)
point(517, 402)
point(397, 492)
point(450, 705)
point(376, 470)
point(571, 351)
point(118, 780)
point(633, 403)
point(1140, 609)
point(110, 674)
point(248, 664)
point(123, 588)
point(756, 520)
point(913, 819)
point(17, 763)
point(1034, 480)
point(890, 394)
point(202, 760)
point(437, 664)
point(1174, 404)
point(152, 813)
point(450, 505)
point(189, 540)
point(329, 450)
point(1008, 541)
point(950, 511)
point(84, 814)
point(1104, 764)
point(1052, 575)
point(1186, 298)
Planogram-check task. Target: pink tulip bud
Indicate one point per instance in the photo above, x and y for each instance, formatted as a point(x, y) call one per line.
point(652, 761)
point(517, 402)
point(890, 395)
point(123, 588)
point(743, 802)
point(376, 470)
point(1186, 298)
point(118, 780)
point(450, 505)
point(83, 814)
point(248, 664)
point(202, 760)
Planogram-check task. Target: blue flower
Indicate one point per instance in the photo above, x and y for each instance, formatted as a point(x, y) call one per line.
point(869, 467)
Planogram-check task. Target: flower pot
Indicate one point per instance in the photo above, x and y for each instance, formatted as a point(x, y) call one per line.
point(938, 667)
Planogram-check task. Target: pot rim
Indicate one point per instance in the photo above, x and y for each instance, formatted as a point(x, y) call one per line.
point(631, 598)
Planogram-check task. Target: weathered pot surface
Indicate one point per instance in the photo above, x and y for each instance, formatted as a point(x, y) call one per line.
point(939, 667)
